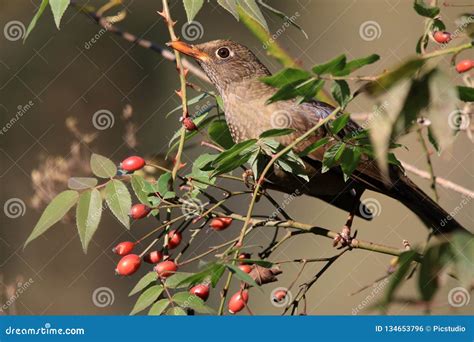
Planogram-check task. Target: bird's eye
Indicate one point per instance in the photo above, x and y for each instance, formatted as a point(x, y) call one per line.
point(223, 52)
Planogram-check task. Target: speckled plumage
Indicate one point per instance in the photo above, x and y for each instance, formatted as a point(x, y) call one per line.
point(237, 78)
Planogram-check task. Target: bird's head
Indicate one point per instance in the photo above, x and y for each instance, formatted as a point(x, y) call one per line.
point(224, 61)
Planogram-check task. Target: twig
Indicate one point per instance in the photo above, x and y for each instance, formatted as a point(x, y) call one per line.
point(428, 161)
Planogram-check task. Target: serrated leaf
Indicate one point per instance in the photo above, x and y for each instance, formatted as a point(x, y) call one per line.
point(286, 76)
point(466, 94)
point(242, 275)
point(119, 201)
point(314, 146)
point(54, 212)
point(220, 134)
point(305, 91)
point(31, 26)
point(58, 7)
point(147, 298)
point(164, 183)
point(146, 280)
point(276, 132)
point(176, 311)
point(425, 10)
point(102, 167)
point(331, 156)
point(339, 123)
point(350, 160)
point(177, 280)
point(230, 6)
point(341, 92)
point(142, 188)
point(263, 263)
point(212, 271)
point(192, 8)
point(159, 307)
point(251, 8)
point(331, 66)
point(81, 183)
point(187, 300)
point(88, 214)
point(357, 64)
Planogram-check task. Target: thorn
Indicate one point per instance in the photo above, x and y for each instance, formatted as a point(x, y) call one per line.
point(185, 72)
point(179, 93)
point(163, 14)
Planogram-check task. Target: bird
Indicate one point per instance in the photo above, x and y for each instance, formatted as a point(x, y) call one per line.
point(236, 72)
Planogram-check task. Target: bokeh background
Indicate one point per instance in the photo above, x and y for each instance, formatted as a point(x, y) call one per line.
point(64, 79)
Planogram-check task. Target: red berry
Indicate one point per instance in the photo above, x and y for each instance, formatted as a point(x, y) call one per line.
point(139, 211)
point(166, 268)
point(201, 290)
point(123, 248)
point(129, 264)
point(153, 257)
point(442, 37)
point(132, 163)
point(189, 124)
point(464, 65)
point(279, 295)
point(238, 301)
point(174, 239)
point(243, 256)
point(220, 223)
point(245, 268)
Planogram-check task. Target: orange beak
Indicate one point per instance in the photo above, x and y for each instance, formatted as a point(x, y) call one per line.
point(188, 50)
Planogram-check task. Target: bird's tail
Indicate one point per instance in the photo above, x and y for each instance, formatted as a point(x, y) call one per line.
point(424, 207)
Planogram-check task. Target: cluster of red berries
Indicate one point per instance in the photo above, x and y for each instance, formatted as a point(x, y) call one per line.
point(443, 37)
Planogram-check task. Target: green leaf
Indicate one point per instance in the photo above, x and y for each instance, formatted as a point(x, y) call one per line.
point(350, 160)
point(147, 298)
point(176, 311)
point(331, 156)
point(404, 262)
point(339, 123)
point(146, 280)
point(314, 146)
point(141, 188)
point(158, 307)
point(58, 7)
point(164, 183)
point(119, 201)
point(31, 26)
point(462, 248)
point(219, 133)
point(212, 271)
point(88, 214)
point(177, 280)
point(304, 90)
point(103, 167)
point(230, 6)
point(388, 80)
point(433, 141)
point(187, 300)
point(241, 275)
point(466, 94)
point(357, 64)
point(286, 76)
point(283, 16)
point(276, 132)
point(234, 151)
point(263, 263)
point(425, 10)
point(330, 67)
point(54, 212)
point(192, 8)
point(81, 183)
point(251, 8)
point(341, 92)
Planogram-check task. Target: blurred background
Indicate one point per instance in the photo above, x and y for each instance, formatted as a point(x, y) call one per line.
point(58, 80)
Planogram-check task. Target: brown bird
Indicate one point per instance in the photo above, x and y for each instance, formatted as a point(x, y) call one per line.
point(236, 73)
